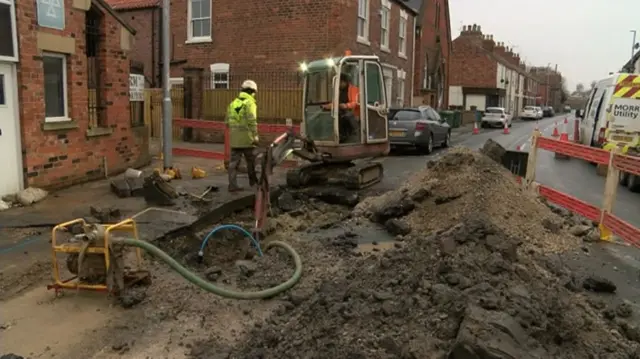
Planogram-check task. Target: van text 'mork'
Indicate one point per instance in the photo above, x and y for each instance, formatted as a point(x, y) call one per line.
point(625, 110)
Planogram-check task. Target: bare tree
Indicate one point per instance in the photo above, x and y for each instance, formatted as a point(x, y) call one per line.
point(580, 88)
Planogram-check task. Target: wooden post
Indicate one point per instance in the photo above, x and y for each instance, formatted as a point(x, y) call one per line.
point(610, 190)
point(530, 176)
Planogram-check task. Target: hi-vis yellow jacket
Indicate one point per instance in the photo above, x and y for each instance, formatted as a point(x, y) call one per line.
point(242, 119)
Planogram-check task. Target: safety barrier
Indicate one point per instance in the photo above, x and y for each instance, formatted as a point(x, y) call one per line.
point(225, 155)
point(608, 223)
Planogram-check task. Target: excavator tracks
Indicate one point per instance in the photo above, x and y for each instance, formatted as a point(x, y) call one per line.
point(353, 176)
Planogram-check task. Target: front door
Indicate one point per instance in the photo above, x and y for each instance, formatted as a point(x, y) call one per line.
point(10, 154)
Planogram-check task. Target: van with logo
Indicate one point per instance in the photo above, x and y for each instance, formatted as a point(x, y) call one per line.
point(612, 119)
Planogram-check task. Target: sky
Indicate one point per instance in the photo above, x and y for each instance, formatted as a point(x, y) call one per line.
point(587, 39)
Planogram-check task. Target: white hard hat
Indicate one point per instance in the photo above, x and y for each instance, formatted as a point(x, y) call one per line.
point(249, 84)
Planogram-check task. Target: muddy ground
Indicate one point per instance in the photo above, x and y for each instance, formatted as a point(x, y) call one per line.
point(457, 263)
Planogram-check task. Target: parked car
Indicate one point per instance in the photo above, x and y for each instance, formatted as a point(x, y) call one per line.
point(548, 112)
point(496, 117)
point(421, 128)
point(531, 113)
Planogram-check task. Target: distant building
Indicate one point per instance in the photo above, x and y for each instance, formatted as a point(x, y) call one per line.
point(484, 73)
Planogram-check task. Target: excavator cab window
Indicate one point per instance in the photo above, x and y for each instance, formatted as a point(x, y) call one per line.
point(319, 90)
point(376, 106)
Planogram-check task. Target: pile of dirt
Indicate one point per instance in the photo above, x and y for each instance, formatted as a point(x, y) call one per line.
point(474, 277)
point(464, 183)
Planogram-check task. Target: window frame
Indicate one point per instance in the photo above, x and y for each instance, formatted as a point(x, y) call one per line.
point(219, 68)
point(363, 38)
point(402, 33)
point(14, 31)
point(385, 25)
point(401, 77)
point(65, 91)
point(197, 39)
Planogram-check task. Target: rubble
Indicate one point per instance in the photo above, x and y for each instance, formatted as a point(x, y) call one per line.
point(477, 276)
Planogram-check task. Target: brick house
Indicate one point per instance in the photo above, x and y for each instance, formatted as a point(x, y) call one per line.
point(550, 87)
point(146, 17)
point(484, 73)
point(433, 48)
point(64, 97)
point(218, 39)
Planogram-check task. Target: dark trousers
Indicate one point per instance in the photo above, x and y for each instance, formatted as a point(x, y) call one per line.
point(249, 158)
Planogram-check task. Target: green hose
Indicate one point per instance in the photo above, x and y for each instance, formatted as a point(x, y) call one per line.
point(195, 279)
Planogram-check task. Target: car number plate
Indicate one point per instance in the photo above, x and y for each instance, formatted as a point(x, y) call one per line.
point(396, 133)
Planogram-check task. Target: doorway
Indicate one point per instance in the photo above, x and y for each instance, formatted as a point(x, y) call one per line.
point(10, 154)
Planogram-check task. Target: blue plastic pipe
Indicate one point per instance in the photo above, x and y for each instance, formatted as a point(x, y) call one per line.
point(232, 227)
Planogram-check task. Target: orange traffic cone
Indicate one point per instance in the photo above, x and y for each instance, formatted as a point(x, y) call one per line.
point(563, 137)
point(506, 128)
point(555, 130)
point(475, 128)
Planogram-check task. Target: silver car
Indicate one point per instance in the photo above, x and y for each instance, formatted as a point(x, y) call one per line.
point(496, 117)
point(421, 128)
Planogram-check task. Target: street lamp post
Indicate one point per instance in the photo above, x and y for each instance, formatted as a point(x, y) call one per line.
point(633, 42)
point(548, 85)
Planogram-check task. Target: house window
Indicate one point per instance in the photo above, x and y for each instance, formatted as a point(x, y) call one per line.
point(199, 13)
point(55, 87)
point(363, 20)
point(384, 24)
point(220, 76)
point(425, 70)
point(401, 85)
point(8, 45)
point(402, 37)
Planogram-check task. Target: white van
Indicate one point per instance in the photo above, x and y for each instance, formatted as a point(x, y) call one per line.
point(612, 104)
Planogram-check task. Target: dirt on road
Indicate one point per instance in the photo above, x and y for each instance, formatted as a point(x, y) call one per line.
point(471, 268)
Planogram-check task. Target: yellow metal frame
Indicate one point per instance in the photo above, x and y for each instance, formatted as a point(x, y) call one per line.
point(128, 225)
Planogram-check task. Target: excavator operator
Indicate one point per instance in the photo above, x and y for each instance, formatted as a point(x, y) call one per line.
point(348, 108)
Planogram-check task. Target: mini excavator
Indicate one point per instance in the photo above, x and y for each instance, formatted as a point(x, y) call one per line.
point(337, 144)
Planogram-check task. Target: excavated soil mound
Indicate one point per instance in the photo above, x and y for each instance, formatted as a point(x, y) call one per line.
point(474, 277)
point(462, 184)
point(461, 294)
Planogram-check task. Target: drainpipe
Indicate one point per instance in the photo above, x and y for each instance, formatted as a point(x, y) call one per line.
point(154, 70)
point(413, 57)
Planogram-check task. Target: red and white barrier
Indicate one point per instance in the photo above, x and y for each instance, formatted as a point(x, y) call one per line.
point(615, 162)
point(220, 126)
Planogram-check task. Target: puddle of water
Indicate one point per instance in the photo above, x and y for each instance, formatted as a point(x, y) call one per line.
point(378, 247)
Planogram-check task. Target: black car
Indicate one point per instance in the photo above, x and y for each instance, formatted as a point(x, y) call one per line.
point(548, 112)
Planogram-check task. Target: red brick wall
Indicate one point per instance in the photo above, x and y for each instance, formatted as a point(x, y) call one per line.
point(282, 34)
point(428, 40)
point(55, 159)
point(471, 66)
point(147, 25)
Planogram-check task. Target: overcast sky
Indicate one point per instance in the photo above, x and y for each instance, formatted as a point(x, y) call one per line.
point(586, 38)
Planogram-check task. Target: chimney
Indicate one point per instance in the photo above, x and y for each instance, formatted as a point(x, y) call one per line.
point(516, 59)
point(488, 43)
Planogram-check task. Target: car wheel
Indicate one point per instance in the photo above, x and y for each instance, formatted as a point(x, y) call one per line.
point(447, 140)
point(634, 183)
point(428, 148)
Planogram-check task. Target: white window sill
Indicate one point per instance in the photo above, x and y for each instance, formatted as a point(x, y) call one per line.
point(363, 41)
point(199, 40)
point(385, 49)
point(56, 119)
point(402, 56)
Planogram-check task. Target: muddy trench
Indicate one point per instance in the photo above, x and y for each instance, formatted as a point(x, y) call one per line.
point(457, 263)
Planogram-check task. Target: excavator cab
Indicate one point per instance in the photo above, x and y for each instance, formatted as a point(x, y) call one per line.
point(341, 133)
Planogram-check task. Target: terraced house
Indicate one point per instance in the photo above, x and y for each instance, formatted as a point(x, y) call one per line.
point(215, 45)
point(64, 101)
